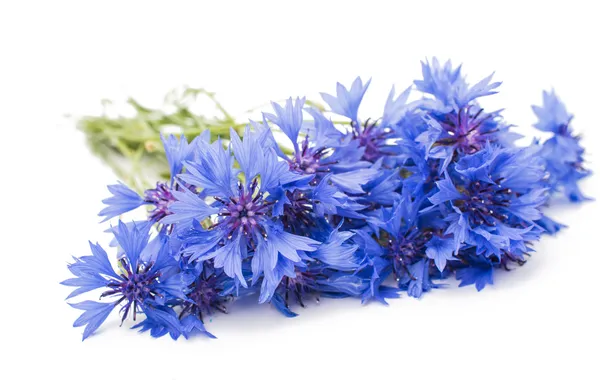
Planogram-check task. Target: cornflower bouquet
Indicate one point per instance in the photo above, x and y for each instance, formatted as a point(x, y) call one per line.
point(435, 188)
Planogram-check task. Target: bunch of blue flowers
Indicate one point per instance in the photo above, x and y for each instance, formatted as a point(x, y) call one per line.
point(435, 188)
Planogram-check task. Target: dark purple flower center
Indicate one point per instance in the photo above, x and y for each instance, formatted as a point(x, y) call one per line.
point(372, 138)
point(134, 287)
point(297, 213)
point(245, 211)
point(161, 198)
point(484, 203)
point(205, 298)
point(406, 247)
point(465, 130)
point(310, 160)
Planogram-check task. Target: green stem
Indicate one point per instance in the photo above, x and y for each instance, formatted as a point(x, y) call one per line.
point(132, 148)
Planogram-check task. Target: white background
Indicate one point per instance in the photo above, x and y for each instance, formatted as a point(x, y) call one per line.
point(540, 321)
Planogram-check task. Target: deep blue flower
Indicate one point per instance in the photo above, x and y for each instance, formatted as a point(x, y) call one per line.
point(124, 199)
point(209, 292)
point(373, 139)
point(338, 180)
point(329, 272)
point(466, 130)
point(493, 200)
point(563, 152)
point(243, 224)
point(456, 123)
point(413, 244)
point(146, 279)
point(322, 150)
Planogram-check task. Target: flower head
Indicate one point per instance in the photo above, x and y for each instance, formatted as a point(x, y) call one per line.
point(235, 218)
point(160, 198)
point(493, 199)
point(322, 150)
point(466, 130)
point(412, 242)
point(146, 279)
point(329, 271)
point(373, 139)
point(563, 152)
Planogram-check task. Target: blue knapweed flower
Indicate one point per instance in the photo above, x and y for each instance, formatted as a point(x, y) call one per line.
point(322, 150)
point(491, 201)
point(328, 271)
point(563, 152)
point(124, 199)
point(236, 218)
point(456, 122)
point(465, 130)
point(414, 245)
point(209, 292)
point(373, 139)
point(146, 278)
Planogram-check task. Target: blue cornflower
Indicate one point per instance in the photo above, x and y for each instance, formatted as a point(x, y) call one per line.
point(147, 277)
point(210, 292)
point(322, 150)
point(340, 180)
point(236, 218)
point(563, 152)
point(124, 199)
point(373, 139)
point(329, 271)
point(492, 199)
point(465, 130)
point(455, 121)
point(414, 245)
